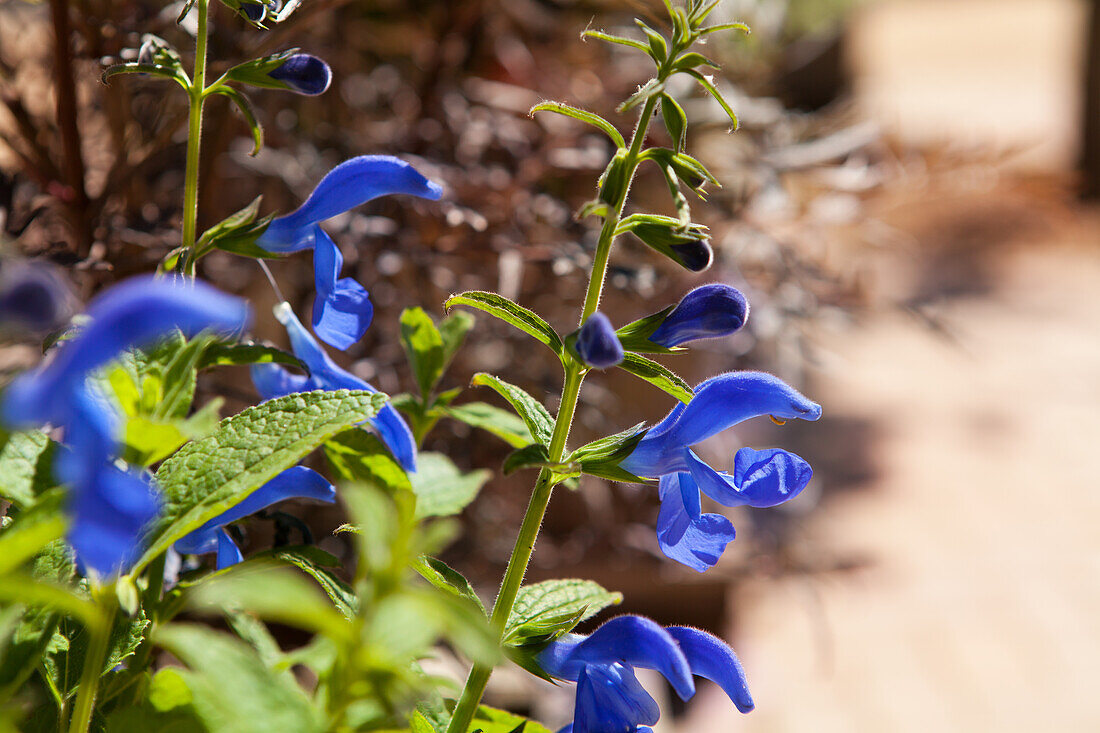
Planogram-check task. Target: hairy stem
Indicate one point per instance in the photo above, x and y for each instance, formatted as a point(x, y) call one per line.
point(194, 138)
point(540, 497)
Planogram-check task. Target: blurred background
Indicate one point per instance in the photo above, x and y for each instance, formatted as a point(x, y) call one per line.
point(910, 206)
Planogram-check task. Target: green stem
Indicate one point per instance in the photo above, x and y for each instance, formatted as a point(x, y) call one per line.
point(99, 637)
point(540, 497)
point(196, 96)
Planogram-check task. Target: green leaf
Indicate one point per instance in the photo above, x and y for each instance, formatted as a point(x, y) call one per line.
point(257, 72)
point(453, 329)
point(357, 455)
point(658, 48)
point(708, 84)
point(532, 456)
point(179, 379)
point(590, 118)
point(238, 232)
point(622, 41)
point(447, 579)
point(31, 531)
point(132, 67)
point(231, 687)
point(244, 104)
point(651, 88)
point(692, 59)
point(25, 466)
point(208, 476)
point(442, 490)
point(675, 121)
point(491, 720)
point(423, 345)
point(658, 375)
point(505, 425)
point(525, 320)
point(726, 27)
point(245, 354)
point(272, 593)
point(165, 708)
point(537, 417)
point(546, 608)
point(315, 562)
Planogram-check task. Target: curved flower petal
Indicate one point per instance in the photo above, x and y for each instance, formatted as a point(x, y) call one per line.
point(133, 313)
point(272, 380)
point(696, 541)
point(326, 374)
point(708, 311)
point(611, 700)
point(228, 552)
point(723, 401)
point(636, 642)
point(597, 344)
point(342, 310)
point(109, 513)
point(712, 658)
point(769, 477)
point(297, 482)
point(346, 186)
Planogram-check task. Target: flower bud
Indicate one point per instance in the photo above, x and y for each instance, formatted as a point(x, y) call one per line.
point(304, 74)
point(597, 345)
point(695, 256)
point(709, 311)
point(33, 298)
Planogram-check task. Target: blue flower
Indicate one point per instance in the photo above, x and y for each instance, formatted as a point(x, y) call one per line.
point(32, 297)
point(342, 311)
point(597, 345)
point(273, 381)
point(609, 697)
point(760, 478)
point(708, 311)
point(298, 482)
point(109, 506)
point(303, 73)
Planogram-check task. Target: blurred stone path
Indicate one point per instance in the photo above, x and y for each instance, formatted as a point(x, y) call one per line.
point(980, 609)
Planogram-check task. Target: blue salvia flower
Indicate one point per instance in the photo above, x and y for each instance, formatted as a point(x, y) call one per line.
point(609, 697)
point(32, 297)
point(304, 74)
point(273, 381)
point(109, 506)
point(597, 345)
point(298, 482)
point(760, 478)
point(708, 311)
point(342, 310)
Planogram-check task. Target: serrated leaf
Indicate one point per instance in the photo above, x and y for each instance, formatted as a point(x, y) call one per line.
point(505, 425)
point(658, 375)
point(585, 116)
point(445, 578)
point(357, 455)
point(231, 687)
point(26, 458)
point(522, 318)
point(423, 344)
point(547, 606)
point(442, 490)
point(208, 476)
point(538, 419)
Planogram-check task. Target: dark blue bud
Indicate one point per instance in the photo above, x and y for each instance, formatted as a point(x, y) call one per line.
point(597, 344)
point(33, 298)
point(695, 256)
point(255, 13)
point(304, 74)
point(709, 311)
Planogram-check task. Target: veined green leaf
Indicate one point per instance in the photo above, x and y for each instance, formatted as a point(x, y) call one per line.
point(537, 417)
point(445, 578)
point(584, 116)
point(246, 354)
point(208, 476)
point(658, 375)
point(423, 345)
point(26, 458)
point(708, 84)
point(244, 104)
point(522, 318)
point(442, 490)
point(555, 600)
point(505, 425)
